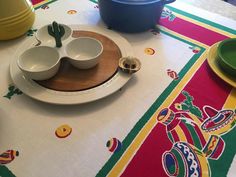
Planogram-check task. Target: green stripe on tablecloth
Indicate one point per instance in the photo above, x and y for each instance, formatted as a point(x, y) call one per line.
point(95, 1)
point(5, 172)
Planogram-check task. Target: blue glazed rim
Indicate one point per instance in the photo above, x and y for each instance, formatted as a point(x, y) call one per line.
point(142, 2)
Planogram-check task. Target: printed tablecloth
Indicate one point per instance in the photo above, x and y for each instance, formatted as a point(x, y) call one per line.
point(175, 117)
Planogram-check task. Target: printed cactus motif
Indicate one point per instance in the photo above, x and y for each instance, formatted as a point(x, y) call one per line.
point(187, 105)
point(12, 90)
point(31, 32)
point(166, 13)
point(57, 31)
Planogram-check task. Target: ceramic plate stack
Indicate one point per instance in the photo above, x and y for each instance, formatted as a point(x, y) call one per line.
point(16, 18)
point(221, 59)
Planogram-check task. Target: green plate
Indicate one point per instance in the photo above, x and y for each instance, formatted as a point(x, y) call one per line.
point(227, 56)
point(214, 65)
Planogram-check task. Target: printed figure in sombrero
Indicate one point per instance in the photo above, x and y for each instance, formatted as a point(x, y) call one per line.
point(195, 138)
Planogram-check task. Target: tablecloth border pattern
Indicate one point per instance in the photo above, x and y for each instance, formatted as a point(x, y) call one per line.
point(227, 32)
point(206, 23)
point(108, 167)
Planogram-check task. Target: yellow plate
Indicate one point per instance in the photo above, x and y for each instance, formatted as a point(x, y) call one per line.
point(211, 58)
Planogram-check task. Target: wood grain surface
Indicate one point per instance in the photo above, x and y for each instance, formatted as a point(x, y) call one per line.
point(70, 78)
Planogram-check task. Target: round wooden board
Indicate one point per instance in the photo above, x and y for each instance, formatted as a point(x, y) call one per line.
point(70, 78)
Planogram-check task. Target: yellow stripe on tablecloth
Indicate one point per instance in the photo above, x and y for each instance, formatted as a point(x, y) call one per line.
point(205, 25)
point(144, 132)
point(230, 102)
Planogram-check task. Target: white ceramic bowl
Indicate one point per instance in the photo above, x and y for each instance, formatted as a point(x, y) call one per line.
point(84, 52)
point(39, 63)
point(47, 39)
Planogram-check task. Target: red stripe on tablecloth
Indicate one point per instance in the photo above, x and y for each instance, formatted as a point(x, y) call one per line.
point(34, 2)
point(192, 31)
point(148, 160)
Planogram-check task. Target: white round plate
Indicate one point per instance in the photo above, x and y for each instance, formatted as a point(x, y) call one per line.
point(36, 91)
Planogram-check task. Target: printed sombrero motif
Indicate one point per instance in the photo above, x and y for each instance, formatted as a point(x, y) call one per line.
point(218, 122)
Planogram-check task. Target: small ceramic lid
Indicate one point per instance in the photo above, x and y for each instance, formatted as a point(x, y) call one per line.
point(137, 2)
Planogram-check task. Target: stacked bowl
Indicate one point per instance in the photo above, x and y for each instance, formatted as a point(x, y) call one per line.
point(226, 52)
point(16, 18)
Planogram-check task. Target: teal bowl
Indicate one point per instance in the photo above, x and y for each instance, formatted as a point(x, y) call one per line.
point(227, 56)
